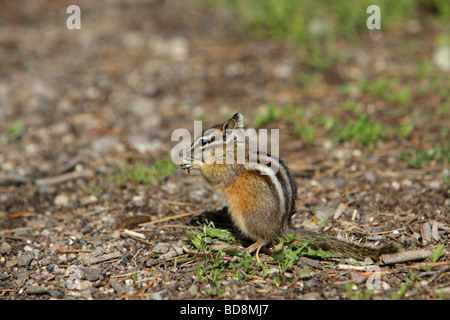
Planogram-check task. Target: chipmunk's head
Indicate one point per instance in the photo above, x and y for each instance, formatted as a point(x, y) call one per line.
point(210, 146)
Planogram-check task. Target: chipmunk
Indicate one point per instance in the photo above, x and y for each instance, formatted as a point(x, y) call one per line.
point(261, 193)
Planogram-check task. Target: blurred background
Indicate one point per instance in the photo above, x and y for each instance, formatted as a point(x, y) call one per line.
point(114, 90)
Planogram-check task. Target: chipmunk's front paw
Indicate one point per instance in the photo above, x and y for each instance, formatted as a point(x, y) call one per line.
point(187, 166)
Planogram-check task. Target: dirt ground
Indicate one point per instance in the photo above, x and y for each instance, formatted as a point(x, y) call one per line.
point(91, 101)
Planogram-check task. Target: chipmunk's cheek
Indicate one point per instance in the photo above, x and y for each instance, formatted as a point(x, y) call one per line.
point(197, 164)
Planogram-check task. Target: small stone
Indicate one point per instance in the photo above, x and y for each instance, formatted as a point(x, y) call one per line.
point(342, 154)
point(426, 232)
point(434, 231)
point(93, 275)
point(88, 200)
point(170, 187)
point(168, 255)
point(5, 247)
point(11, 263)
point(370, 176)
point(24, 260)
point(324, 213)
point(98, 251)
point(395, 185)
point(55, 294)
point(55, 247)
point(177, 48)
point(116, 286)
point(283, 71)
point(36, 290)
point(4, 276)
point(357, 277)
point(138, 201)
point(407, 183)
point(178, 250)
point(161, 248)
point(106, 144)
point(436, 185)
point(152, 262)
point(78, 285)
point(197, 195)
point(143, 144)
point(193, 290)
point(442, 58)
point(61, 200)
point(45, 262)
point(36, 276)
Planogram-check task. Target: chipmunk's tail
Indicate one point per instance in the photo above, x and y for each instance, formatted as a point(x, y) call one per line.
point(344, 248)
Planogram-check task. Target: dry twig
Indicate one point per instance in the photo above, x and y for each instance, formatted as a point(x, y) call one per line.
point(405, 256)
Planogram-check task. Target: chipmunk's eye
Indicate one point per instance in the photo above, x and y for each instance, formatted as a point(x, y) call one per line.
point(205, 141)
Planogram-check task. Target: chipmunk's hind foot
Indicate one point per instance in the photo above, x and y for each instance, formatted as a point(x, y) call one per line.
point(255, 246)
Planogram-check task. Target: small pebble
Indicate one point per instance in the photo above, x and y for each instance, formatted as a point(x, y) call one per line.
point(36, 290)
point(161, 248)
point(55, 294)
point(395, 185)
point(435, 185)
point(24, 260)
point(61, 200)
point(370, 176)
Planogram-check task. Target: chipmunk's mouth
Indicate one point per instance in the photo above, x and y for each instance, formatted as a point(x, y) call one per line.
point(187, 164)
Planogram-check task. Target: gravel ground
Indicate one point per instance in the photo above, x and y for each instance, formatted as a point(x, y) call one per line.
point(91, 101)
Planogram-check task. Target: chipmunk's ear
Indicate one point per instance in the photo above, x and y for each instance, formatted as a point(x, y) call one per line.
point(229, 125)
point(239, 119)
point(236, 122)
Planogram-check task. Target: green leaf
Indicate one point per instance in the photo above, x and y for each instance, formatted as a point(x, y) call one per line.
point(233, 252)
point(15, 131)
point(438, 252)
point(219, 233)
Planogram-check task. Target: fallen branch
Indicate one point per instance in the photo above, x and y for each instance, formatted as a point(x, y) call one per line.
point(68, 166)
point(405, 256)
point(22, 214)
point(193, 213)
point(14, 179)
point(74, 250)
point(134, 234)
point(147, 287)
point(64, 177)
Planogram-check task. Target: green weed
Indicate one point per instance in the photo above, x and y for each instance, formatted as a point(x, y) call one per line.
point(15, 131)
point(438, 252)
point(352, 106)
point(439, 152)
point(95, 191)
point(142, 173)
point(306, 133)
point(308, 80)
point(213, 265)
point(402, 96)
point(378, 87)
point(404, 130)
point(390, 89)
point(316, 26)
point(272, 114)
point(444, 109)
point(400, 295)
point(364, 131)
